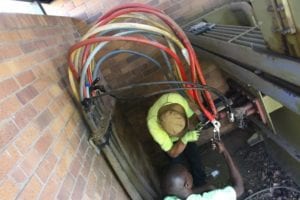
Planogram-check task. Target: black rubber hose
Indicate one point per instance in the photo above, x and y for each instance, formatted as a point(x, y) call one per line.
point(190, 86)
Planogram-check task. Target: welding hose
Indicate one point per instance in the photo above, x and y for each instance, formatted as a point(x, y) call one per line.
point(149, 20)
point(140, 17)
point(195, 66)
point(143, 27)
point(111, 28)
point(91, 56)
point(158, 14)
point(119, 38)
point(178, 32)
point(96, 70)
point(136, 26)
point(202, 108)
point(116, 52)
point(155, 24)
point(191, 86)
point(143, 18)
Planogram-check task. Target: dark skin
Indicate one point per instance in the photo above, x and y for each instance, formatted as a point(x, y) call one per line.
point(176, 149)
point(235, 175)
point(182, 181)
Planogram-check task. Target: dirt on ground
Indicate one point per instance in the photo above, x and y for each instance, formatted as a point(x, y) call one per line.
point(257, 168)
point(260, 171)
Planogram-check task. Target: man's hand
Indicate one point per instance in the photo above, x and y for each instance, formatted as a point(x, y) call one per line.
point(191, 136)
point(220, 146)
point(235, 175)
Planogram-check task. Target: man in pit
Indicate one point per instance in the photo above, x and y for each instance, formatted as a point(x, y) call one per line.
point(177, 183)
point(171, 122)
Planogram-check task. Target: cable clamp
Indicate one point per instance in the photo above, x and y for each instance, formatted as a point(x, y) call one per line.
point(86, 103)
point(94, 86)
point(217, 126)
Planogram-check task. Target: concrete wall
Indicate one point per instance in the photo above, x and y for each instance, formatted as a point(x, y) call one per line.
point(44, 152)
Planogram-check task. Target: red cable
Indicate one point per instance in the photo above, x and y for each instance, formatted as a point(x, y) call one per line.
point(195, 66)
point(134, 39)
point(83, 60)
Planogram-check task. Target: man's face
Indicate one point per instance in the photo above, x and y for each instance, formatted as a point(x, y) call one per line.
point(188, 181)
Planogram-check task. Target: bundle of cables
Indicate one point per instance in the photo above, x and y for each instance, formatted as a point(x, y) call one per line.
point(135, 23)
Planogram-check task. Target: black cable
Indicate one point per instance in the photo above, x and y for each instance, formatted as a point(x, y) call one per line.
point(190, 86)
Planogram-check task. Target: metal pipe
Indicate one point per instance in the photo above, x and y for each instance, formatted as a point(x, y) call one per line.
point(249, 44)
point(247, 39)
point(229, 30)
point(282, 67)
point(221, 33)
point(225, 32)
point(232, 29)
point(256, 32)
point(285, 97)
point(254, 36)
point(234, 26)
point(120, 51)
point(226, 36)
point(216, 36)
point(235, 32)
point(231, 35)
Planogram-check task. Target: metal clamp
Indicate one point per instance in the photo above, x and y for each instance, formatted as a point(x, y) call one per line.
point(217, 126)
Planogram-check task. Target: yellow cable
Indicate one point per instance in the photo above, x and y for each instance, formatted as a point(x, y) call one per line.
point(156, 28)
point(141, 17)
point(149, 28)
point(74, 85)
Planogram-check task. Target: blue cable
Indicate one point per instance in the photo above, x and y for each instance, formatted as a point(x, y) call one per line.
point(119, 51)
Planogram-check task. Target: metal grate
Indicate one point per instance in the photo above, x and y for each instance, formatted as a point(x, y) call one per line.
point(242, 35)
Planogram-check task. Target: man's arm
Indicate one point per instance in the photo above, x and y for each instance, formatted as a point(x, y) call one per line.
point(176, 149)
point(235, 175)
point(179, 146)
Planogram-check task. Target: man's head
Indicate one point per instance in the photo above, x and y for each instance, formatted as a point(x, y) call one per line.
point(172, 119)
point(177, 181)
